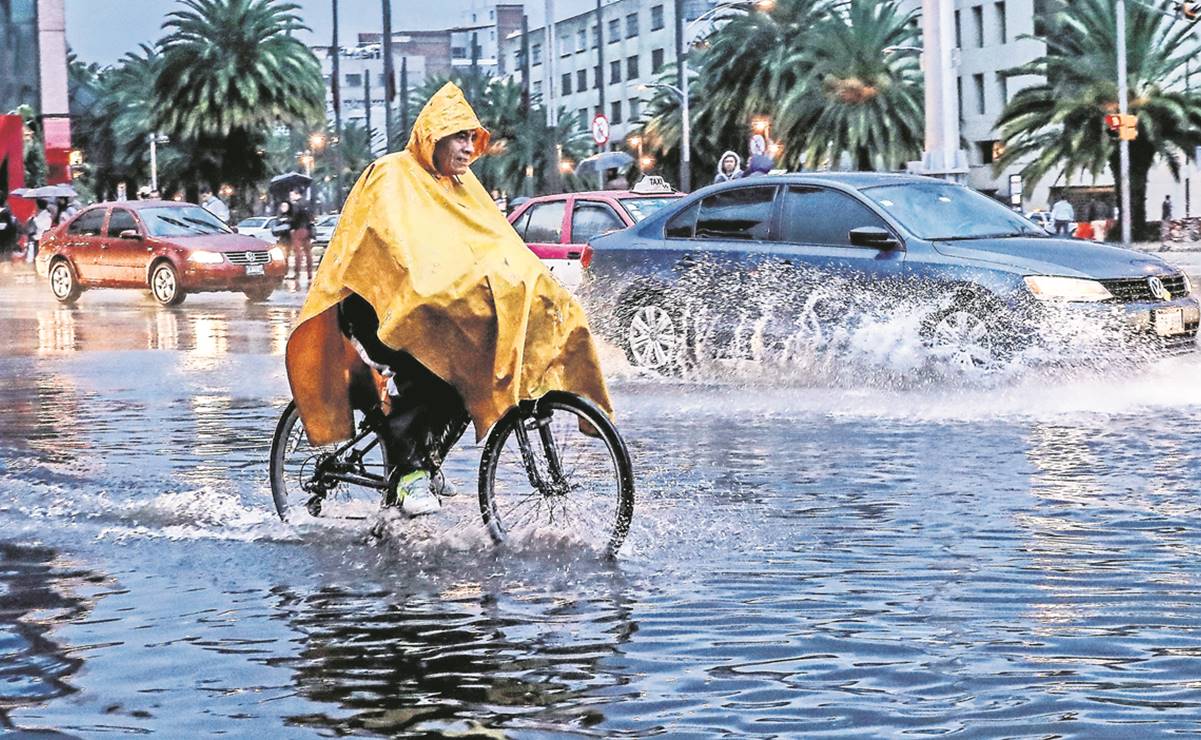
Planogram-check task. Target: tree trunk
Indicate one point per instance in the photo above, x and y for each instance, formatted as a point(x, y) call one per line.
point(863, 160)
point(1142, 155)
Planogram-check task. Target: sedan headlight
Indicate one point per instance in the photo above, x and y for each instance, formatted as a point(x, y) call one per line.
point(206, 258)
point(277, 254)
point(1053, 288)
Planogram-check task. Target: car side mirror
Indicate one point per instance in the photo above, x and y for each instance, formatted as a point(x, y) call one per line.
point(130, 234)
point(234, 229)
point(873, 236)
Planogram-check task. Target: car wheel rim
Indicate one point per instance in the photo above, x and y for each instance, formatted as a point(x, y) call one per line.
point(164, 285)
point(60, 281)
point(652, 337)
point(964, 338)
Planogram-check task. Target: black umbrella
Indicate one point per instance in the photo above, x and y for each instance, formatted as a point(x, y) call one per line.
point(281, 184)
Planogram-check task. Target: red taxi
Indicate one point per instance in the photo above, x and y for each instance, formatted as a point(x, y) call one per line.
point(168, 247)
point(557, 227)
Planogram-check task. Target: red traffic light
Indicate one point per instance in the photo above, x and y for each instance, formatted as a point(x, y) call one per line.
point(1113, 121)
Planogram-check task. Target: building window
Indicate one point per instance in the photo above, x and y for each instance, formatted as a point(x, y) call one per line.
point(987, 151)
point(656, 61)
point(1002, 25)
point(585, 124)
point(458, 52)
point(536, 54)
point(656, 17)
point(354, 80)
point(632, 68)
point(581, 80)
point(565, 83)
point(958, 31)
point(1003, 87)
point(614, 30)
point(581, 40)
point(978, 23)
point(596, 36)
point(635, 108)
point(631, 25)
point(615, 111)
point(614, 71)
point(565, 46)
point(978, 84)
point(537, 89)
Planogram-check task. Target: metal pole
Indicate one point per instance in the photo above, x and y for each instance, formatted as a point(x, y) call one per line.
point(336, 90)
point(1123, 145)
point(682, 83)
point(528, 183)
point(548, 64)
point(153, 161)
point(389, 74)
point(600, 80)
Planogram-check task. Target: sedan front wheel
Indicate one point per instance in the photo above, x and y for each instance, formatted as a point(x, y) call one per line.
point(653, 337)
point(965, 338)
point(164, 285)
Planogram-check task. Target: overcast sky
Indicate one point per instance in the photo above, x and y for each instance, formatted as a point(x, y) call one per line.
point(104, 30)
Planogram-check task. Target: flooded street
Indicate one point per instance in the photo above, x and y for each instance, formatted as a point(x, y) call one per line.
point(806, 559)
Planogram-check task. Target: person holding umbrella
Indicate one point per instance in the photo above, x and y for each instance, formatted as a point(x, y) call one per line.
point(301, 240)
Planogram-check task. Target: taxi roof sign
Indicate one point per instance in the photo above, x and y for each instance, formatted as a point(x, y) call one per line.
point(652, 184)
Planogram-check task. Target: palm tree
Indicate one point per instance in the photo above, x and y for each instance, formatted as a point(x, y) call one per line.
point(819, 71)
point(1058, 124)
point(231, 70)
point(854, 96)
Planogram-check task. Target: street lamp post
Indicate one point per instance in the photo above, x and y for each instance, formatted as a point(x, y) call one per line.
point(1123, 145)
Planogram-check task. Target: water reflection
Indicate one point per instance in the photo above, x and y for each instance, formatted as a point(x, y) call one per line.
point(467, 656)
point(36, 594)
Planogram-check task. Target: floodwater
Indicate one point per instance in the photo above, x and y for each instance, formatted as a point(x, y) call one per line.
point(812, 555)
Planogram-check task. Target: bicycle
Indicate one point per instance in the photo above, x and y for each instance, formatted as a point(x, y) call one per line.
point(557, 461)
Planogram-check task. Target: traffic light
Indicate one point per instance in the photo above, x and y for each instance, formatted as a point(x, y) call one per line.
point(1121, 126)
point(1189, 10)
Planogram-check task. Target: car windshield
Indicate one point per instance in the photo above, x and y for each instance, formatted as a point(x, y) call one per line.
point(252, 222)
point(941, 211)
point(640, 208)
point(171, 221)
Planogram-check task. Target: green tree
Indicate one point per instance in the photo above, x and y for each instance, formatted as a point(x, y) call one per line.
point(851, 93)
point(1058, 124)
point(231, 70)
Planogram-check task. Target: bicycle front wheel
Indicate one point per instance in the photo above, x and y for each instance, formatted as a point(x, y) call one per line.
point(557, 465)
point(319, 479)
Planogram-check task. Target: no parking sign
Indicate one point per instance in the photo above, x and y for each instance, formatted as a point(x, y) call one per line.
point(600, 129)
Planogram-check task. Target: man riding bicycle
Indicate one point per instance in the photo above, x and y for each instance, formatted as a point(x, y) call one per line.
point(428, 305)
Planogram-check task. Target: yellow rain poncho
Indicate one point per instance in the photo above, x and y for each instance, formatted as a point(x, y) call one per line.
point(452, 284)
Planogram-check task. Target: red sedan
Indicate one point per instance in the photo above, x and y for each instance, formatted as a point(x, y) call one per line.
point(557, 227)
point(171, 248)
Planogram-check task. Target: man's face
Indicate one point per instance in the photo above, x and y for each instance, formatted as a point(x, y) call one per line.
point(452, 154)
point(727, 165)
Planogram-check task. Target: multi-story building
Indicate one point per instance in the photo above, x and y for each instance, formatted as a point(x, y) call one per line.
point(638, 43)
point(421, 55)
point(33, 72)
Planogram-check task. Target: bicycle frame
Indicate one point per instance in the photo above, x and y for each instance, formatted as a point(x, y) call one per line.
point(350, 470)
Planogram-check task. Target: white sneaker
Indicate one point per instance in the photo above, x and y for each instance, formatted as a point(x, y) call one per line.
point(416, 497)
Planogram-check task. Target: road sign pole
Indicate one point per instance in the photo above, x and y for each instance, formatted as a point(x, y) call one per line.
point(1123, 144)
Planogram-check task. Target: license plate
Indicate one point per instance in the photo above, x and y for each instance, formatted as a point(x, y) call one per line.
point(258, 270)
point(1169, 321)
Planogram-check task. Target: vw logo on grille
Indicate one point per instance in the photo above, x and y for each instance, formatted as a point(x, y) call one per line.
point(250, 258)
point(1158, 289)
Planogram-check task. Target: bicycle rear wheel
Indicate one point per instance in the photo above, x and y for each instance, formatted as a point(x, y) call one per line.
point(560, 479)
point(298, 471)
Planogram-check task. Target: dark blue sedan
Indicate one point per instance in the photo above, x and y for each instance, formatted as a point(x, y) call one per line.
point(987, 274)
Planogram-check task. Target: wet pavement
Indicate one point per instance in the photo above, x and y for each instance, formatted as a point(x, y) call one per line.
point(813, 554)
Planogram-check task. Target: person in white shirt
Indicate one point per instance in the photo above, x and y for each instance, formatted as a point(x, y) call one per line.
point(1063, 214)
point(214, 205)
point(42, 223)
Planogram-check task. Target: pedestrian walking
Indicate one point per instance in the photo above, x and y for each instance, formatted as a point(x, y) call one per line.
point(728, 167)
point(1165, 221)
point(9, 231)
point(301, 225)
point(214, 205)
point(1063, 215)
point(43, 221)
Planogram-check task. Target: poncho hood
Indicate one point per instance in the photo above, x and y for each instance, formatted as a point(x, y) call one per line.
point(452, 284)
